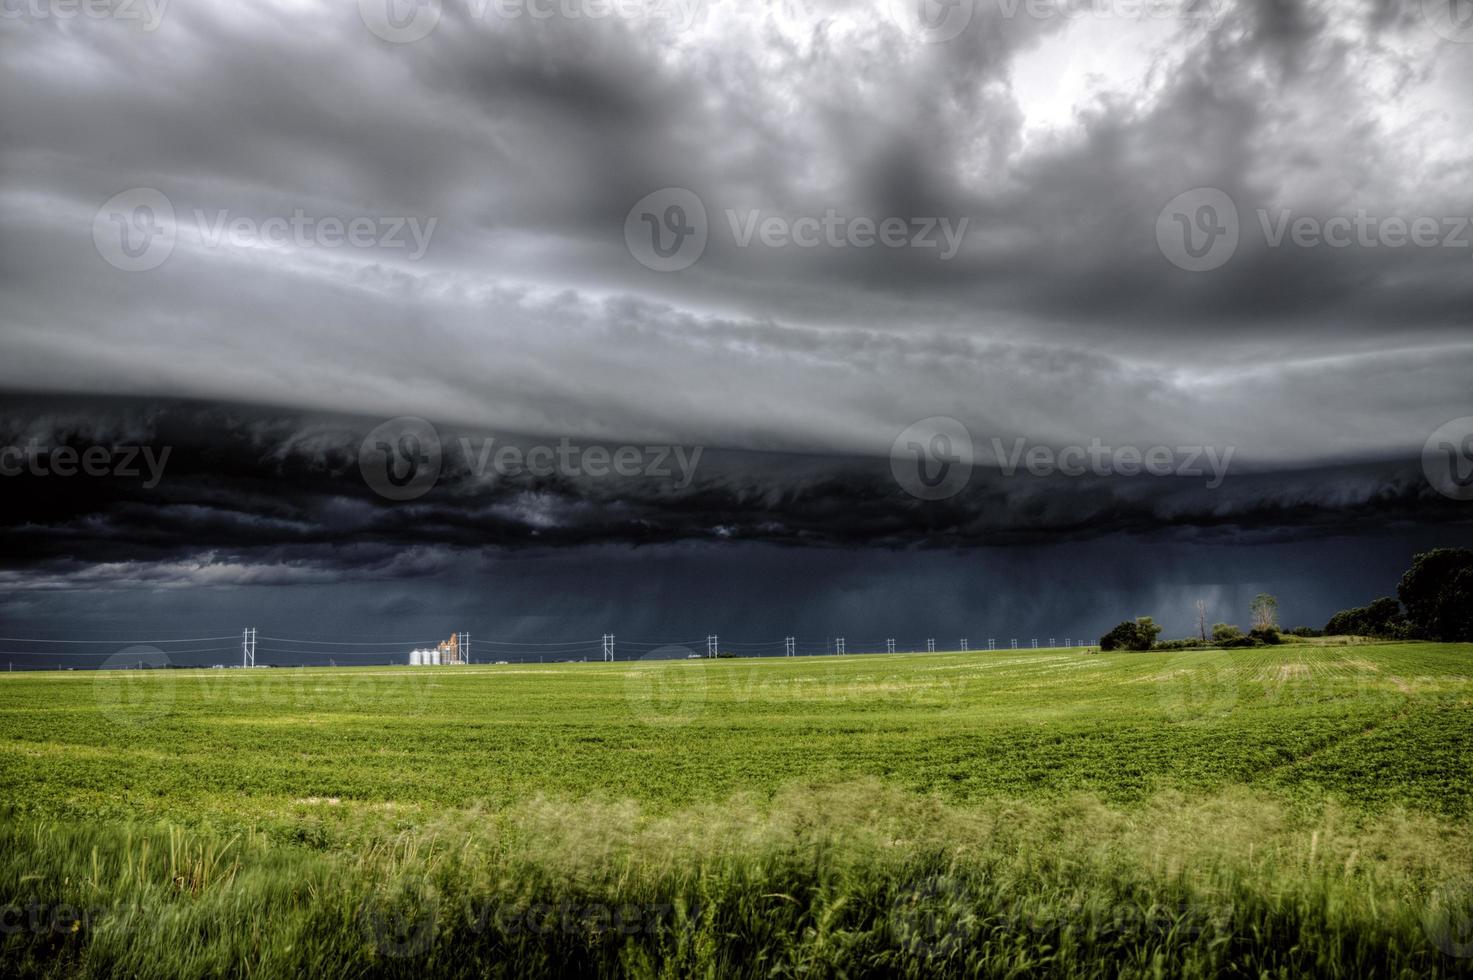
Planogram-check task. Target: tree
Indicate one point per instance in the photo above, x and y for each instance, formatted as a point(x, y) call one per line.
point(1381, 618)
point(1264, 612)
point(1138, 635)
point(1437, 592)
point(1202, 620)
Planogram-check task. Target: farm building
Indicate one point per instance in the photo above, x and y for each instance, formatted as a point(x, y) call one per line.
point(456, 650)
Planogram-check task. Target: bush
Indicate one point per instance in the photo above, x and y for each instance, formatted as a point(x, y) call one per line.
point(1268, 637)
point(1305, 631)
point(1139, 635)
point(1223, 632)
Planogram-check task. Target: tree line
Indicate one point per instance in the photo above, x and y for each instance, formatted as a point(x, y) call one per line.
point(1434, 601)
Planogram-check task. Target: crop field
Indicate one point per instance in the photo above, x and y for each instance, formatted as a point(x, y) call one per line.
point(1283, 811)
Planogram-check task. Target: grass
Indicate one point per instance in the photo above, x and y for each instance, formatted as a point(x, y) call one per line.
point(1290, 811)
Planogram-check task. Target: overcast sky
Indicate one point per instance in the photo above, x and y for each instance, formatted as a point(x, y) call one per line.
point(1236, 226)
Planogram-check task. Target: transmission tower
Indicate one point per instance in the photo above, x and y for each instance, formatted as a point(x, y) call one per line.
point(248, 647)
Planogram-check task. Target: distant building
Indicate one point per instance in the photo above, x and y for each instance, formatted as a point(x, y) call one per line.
point(455, 650)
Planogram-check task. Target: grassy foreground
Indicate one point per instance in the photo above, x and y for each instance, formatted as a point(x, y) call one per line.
point(1283, 812)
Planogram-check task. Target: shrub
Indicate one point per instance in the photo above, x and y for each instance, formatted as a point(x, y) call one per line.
point(1223, 632)
point(1139, 635)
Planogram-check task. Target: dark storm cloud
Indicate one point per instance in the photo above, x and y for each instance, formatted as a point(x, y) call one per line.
point(1061, 320)
point(527, 141)
point(254, 497)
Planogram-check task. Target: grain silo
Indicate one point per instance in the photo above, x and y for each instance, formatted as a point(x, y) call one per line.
point(456, 650)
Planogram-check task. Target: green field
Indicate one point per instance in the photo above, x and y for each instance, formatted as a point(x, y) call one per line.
point(1279, 811)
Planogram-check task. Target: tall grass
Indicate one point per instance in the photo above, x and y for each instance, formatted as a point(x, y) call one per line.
point(856, 880)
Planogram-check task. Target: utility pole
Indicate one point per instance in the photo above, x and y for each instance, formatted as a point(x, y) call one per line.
point(790, 646)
